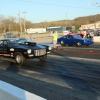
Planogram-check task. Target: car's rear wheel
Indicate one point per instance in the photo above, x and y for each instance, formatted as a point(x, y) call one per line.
point(79, 44)
point(19, 58)
point(62, 43)
point(43, 58)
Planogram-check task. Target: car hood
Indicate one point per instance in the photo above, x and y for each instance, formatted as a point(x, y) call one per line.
point(34, 47)
point(86, 39)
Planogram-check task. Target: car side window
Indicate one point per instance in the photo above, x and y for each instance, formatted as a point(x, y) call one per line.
point(74, 36)
point(69, 37)
point(5, 43)
point(1, 43)
point(64, 37)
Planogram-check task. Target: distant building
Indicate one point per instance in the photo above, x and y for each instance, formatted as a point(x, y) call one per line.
point(35, 30)
point(61, 29)
point(93, 26)
point(71, 28)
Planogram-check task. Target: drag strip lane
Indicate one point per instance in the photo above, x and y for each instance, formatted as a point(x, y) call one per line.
point(81, 52)
point(34, 68)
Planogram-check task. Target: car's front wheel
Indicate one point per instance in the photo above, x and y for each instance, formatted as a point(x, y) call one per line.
point(19, 58)
point(79, 44)
point(62, 43)
point(43, 58)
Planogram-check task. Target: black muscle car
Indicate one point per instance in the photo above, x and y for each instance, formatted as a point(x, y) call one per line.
point(21, 49)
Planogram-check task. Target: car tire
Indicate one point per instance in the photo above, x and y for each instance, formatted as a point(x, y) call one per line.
point(87, 45)
point(79, 44)
point(43, 58)
point(19, 58)
point(62, 43)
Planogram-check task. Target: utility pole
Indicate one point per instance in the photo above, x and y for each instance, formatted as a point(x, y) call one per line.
point(42, 35)
point(24, 20)
point(20, 22)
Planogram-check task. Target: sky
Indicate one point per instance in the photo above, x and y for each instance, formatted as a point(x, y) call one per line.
point(49, 10)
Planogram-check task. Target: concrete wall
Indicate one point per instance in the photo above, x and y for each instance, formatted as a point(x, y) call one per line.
point(96, 38)
point(11, 92)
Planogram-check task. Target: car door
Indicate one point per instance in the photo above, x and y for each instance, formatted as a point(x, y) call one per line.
point(4, 47)
point(64, 38)
point(69, 40)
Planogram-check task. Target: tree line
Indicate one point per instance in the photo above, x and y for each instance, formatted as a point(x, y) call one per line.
point(12, 23)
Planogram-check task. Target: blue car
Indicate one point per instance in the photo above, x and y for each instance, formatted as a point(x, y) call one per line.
point(73, 39)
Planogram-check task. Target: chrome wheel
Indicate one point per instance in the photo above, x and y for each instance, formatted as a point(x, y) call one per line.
point(62, 43)
point(18, 58)
point(79, 44)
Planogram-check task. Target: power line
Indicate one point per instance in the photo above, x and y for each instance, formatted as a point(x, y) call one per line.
point(56, 5)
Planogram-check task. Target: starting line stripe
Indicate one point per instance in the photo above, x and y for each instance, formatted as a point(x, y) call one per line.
point(19, 94)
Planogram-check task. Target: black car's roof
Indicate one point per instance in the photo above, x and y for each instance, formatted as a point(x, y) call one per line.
point(12, 38)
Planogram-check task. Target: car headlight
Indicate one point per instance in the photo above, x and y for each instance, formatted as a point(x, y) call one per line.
point(49, 47)
point(29, 51)
point(84, 40)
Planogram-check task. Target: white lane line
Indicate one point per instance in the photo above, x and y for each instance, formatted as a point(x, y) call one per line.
point(65, 58)
point(16, 92)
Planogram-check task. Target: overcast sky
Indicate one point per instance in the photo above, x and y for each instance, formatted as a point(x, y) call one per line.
point(49, 10)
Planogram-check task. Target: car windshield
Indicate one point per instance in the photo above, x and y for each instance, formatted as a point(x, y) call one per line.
point(22, 41)
point(77, 37)
point(14, 42)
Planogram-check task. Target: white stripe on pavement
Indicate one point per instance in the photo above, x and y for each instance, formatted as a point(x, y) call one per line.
point(10, 92)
